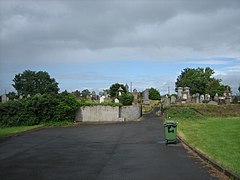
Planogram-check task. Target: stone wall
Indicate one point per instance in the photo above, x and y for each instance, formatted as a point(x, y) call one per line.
point(108, 113)
point(130, 113)
point(97, 113)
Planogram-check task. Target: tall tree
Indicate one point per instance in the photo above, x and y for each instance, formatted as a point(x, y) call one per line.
point(31, 82)
point(114, 89)
point(239, 88)
point(154, 94)
point(200, 80)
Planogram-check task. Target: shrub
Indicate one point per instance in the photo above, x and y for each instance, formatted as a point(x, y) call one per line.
point(126, 99)
point(39, 109)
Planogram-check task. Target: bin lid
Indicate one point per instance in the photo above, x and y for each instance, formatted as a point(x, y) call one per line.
point(170, 122)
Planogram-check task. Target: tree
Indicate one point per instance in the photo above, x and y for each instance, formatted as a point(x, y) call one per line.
point(31, 82)
point(114, 89)
point(200, 80)
point(86, 93)
point(154, 94)
point(239, 88)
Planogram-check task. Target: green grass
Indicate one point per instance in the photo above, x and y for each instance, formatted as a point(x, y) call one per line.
point(61, 123)
point(6, 131)
point(215, 136)
point(218, 138)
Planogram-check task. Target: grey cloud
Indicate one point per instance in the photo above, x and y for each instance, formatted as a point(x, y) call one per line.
point(40, 30)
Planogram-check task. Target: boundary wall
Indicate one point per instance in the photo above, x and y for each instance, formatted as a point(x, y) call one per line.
point(108, 113)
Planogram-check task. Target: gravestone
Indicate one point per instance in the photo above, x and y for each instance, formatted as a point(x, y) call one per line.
point(179, 92)
point(116, 100)
point(165, 102)
point(173, 100)
point(102, 98)
point(184, 96)
point(146, 97)
point(207, 97)
point(216, 98)
point(197, 98)
point(4, 98)
point(201, 98)
point(189, 99)
point(187, 91)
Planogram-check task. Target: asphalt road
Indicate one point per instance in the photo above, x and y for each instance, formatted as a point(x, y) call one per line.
point(133, 150)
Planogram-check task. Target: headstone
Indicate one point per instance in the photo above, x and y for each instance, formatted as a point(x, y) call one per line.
point(184, 96)
point(189, 99)
point(187, 90)
point(116, 100)
point(20, 97)
point(173, 99)
point(221, 99)
point(207, 97)
point(4, 98)
point(102, 99)
point(216, 98)
point(201, 98)
point(146, 97)
point(179, 92)
point(28, 96)
point(165, 102)
point(197, 98)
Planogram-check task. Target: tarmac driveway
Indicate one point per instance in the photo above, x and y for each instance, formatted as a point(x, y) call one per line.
point(133, 150)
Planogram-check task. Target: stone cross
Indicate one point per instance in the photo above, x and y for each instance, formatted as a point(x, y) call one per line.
point(173, 99)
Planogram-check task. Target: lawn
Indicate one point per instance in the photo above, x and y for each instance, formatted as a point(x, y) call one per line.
point(5, 131)
point(216, 137)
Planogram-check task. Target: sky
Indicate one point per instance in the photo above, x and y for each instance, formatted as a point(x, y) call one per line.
point(94, 44)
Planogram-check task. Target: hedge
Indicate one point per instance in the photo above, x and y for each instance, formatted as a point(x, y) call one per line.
point(39, 109)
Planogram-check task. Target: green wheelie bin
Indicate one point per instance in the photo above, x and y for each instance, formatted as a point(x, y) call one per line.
point(170, 131)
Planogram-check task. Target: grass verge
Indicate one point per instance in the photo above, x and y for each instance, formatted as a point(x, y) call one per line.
point(216, 137)
point(6, 131)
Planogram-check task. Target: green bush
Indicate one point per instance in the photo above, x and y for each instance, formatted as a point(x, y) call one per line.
point(39, 109)
point(126, 99)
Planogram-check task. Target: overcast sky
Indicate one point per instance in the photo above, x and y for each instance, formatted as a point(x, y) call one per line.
point(93, 44)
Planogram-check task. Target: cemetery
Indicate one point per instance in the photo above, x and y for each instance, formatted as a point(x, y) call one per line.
point(203, 119)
